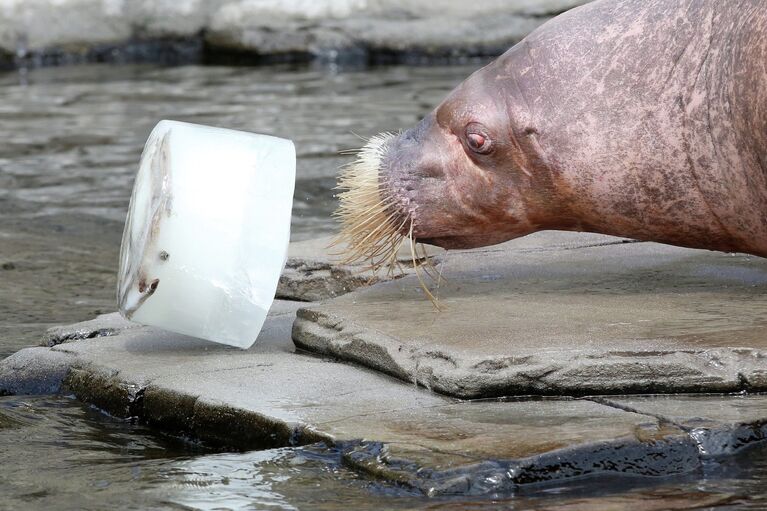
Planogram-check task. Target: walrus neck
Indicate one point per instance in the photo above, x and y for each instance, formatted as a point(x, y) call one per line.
point(648, 122)
point(638, 214)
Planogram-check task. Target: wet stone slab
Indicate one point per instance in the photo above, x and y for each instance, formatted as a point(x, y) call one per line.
point(719, 426)
point(272, 396)
point(560, 314)
point(484, 447)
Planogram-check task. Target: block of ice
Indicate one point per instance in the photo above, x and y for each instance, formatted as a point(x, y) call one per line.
point(207, 231)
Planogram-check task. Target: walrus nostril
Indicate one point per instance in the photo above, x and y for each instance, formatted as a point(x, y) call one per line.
point(430, 171)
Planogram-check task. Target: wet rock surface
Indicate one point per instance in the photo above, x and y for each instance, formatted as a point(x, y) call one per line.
point(585, 315)
point(315, 271)
point(33, 371)
point(560, 314)
point(101, 326)
point(272, 395)
point(486, 447)
point(47, 32)
point(718, 426)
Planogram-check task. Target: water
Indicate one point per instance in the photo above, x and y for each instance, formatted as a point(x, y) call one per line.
point(70, 140)
point(59, 454)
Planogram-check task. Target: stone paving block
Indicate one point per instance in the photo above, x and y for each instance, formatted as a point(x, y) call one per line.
point(550, 315)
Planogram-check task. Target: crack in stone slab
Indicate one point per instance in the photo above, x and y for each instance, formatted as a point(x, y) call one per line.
point(607, 402)
point(713, 437)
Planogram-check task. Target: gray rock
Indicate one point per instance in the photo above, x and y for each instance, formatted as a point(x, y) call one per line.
point(29, 25)
point(271, 396)
point(560, 314)
point(102, 326)
point(33, 371)
point(34, 25)
point(247, 27)
point(485, 447)
point(436, 29)
point(72, 30)
point(170, 18)
point(309, 280)
point(39, 32)
point(314, 271)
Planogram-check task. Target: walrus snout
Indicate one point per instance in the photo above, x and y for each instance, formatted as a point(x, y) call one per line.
point(414, 174)
point(441, 194)
point(412, 155)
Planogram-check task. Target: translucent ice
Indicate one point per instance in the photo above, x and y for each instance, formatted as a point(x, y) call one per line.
point(207, 231)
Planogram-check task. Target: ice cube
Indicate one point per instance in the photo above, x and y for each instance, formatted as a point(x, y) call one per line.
point(207, 231)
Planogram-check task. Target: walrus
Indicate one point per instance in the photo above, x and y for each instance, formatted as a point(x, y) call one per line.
point(644, 119)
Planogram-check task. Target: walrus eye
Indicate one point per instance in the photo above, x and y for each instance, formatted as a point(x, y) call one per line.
point(477, 139)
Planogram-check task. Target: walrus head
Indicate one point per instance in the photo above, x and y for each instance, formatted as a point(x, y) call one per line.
point(461, 178)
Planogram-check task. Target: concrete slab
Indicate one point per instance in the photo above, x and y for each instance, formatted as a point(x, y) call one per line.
point(561, 314)
point(272, 396)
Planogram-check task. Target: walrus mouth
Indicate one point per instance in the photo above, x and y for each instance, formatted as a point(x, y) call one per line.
point(373, 228)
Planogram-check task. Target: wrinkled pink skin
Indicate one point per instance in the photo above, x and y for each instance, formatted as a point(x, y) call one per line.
point(637, 118)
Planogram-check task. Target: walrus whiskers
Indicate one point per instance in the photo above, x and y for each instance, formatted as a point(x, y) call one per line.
point(370, 229)
point(416, 265)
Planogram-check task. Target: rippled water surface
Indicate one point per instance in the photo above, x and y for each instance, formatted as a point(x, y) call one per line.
point(58, 454)
point(70, 140)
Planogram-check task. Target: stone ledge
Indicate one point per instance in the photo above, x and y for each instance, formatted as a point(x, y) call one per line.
point(40, 32)
point(559, 315)
point(271, 396)
point(314, 270)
